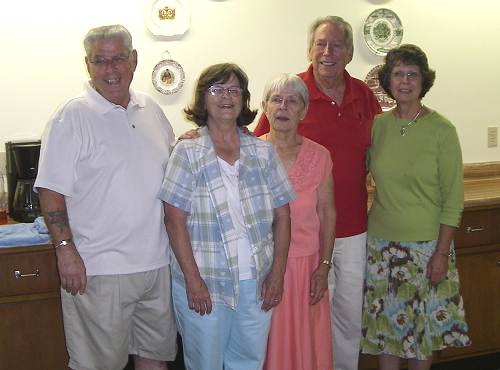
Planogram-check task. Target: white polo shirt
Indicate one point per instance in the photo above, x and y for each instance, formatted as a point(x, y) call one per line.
point(109, 164)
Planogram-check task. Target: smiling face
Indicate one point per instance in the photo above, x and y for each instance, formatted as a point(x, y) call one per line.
point(284, 109)
point(227, 106)
point(111, 68)
point(328, 52)
point(405, 83)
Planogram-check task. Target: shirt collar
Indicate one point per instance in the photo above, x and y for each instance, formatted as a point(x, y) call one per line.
point(315, 93)
point(103, 106)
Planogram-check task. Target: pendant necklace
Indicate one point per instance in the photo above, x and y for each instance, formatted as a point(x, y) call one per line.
point(406, 126)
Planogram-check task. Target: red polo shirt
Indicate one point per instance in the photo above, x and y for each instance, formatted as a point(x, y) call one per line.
point(345, 131)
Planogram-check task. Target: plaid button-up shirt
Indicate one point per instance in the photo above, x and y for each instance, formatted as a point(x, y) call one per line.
point(194, 184)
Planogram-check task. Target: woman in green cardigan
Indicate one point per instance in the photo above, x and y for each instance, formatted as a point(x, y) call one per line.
point(412, 305)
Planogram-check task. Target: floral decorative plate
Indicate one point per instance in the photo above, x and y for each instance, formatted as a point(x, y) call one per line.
point(167, 17)
point(168, 76)
point(382, 31)
point(371, 79)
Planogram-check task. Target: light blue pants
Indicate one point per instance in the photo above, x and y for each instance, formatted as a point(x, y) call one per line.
point(226, 339)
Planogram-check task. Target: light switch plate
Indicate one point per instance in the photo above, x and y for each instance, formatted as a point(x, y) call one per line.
point(492, 136)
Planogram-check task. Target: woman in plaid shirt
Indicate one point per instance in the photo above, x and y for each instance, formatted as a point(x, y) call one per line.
point(228, 219)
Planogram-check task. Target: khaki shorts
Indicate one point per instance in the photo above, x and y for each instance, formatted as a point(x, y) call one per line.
point(120, 315)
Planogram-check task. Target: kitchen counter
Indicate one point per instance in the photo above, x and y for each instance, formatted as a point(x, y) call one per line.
point(482, 192)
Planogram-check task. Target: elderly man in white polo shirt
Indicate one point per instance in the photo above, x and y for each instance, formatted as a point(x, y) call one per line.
point(101, 167)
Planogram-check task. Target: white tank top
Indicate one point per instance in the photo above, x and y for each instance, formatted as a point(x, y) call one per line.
point(246, 264)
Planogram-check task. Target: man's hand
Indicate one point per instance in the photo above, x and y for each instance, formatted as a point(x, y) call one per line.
point(188, 135)
point(194, 134)
point(71, 269)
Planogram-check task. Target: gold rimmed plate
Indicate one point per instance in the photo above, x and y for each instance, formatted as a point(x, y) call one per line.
point(168, 76)
point(167, 17)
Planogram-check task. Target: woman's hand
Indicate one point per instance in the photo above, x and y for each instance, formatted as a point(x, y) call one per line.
point(319, 283)
point(197, 293)
point(198, 296)
point(437, 268)
point(272, 291)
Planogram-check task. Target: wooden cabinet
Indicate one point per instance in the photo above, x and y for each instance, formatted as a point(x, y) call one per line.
point(477, 244)
point(31, 328)
point(478, 261)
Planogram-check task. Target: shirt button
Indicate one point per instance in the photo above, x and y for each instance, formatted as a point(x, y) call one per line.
point(333, 103)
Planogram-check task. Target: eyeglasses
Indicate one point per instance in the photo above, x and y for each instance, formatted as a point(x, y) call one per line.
point(288, 101)
point(399, 75)
point(113, 62)
point(232, 91)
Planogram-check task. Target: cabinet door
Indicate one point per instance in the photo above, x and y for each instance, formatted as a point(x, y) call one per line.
point(479, 271)
point(31, 335)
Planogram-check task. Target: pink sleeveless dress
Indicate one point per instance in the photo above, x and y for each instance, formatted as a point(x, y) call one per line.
point(300, 335)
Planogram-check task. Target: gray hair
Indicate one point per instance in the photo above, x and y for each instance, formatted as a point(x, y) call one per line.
point(336, 21)
point(106, 33)
point(287, 80)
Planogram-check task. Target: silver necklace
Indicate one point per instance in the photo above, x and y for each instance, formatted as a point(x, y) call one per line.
point(406, 126)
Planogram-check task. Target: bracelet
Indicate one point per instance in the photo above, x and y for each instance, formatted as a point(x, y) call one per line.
point(451, 253)
point(327, 262)
point(63, 243)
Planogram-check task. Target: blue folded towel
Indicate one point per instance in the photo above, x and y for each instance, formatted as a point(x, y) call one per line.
point(24, 234)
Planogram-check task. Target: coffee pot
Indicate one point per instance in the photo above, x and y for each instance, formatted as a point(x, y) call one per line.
point(22, 168)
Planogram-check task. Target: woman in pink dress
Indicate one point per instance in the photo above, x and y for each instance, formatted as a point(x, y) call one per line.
point(300, 336)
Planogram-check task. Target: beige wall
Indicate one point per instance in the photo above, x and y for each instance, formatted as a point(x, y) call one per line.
point(42, 57)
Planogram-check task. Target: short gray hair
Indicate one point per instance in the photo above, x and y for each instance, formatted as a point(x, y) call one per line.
point(287, 80)
point(106, 33)
point(336, 21)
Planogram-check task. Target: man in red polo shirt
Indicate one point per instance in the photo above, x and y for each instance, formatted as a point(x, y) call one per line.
point(341, 110)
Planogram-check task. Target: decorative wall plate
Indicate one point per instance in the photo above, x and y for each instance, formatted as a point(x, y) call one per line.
point(168, 76)
point(371, 79)
point(382, 31)
point(167, 17)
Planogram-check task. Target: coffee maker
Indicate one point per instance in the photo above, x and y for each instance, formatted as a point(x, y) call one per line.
point(22, 168)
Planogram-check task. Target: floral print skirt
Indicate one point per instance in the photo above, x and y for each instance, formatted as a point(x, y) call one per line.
point(403, 315)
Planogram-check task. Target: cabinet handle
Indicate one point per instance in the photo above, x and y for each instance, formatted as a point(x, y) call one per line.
point(18, 274)
point(470, 229)
point(498, 263)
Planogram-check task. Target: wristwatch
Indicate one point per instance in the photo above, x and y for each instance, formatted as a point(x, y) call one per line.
point(327, 262)
point(63, 243)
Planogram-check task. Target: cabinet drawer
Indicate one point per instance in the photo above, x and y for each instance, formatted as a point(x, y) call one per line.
point(28, 272)
point(479, 227)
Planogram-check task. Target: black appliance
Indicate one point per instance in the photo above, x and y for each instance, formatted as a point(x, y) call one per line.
point(22, 168)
